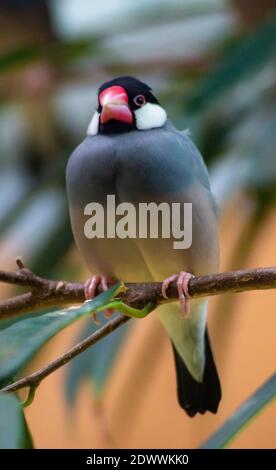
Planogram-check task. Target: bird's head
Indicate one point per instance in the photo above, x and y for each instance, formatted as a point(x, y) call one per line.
point(126, 104)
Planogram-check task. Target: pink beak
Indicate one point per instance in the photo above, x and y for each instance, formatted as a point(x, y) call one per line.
point(114, 102)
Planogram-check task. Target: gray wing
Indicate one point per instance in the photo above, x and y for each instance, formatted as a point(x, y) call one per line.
point(165, 166)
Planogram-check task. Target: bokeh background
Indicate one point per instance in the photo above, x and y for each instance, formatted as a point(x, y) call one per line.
point(212, 64)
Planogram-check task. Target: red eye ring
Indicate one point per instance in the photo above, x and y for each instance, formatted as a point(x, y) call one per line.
point(139, 100)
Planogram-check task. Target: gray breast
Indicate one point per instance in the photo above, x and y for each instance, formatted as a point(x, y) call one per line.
point(142, 166)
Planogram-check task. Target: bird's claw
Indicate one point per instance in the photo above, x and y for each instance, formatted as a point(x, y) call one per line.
point(90, 288)
point(166, 283)
point(182, 280)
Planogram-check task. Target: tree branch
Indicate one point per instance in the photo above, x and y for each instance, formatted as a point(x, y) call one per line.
point(46, 292)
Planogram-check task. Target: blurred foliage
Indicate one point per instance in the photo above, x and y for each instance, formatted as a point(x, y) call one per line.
point(247, 56)
point(214, 70)
point(247, 411)
point(20, 340)
point(59, 54)
point(14, 432)
point(95, 363)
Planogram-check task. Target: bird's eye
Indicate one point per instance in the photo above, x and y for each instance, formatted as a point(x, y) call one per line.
point(139, 100)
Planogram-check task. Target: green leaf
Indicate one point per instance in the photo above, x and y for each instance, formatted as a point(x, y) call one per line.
point(249, 55)
point(248, 410)
point(7, 322)
point(95, 363)
point(14, 432)
point(20, 341)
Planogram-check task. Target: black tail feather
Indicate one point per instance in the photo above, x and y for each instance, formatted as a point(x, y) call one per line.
point(195, 397)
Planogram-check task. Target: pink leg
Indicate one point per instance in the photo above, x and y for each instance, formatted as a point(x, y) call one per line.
point(182, 279)
point(90, 288)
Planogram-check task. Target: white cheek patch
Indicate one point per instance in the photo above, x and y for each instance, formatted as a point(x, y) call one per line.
point(150, 116)
point(93, 127)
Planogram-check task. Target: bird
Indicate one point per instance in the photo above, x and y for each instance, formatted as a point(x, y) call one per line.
point(133, 151)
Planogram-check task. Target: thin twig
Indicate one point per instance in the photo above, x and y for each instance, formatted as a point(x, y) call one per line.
point(48, 292)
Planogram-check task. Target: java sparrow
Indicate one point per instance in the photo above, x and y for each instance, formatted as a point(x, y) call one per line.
point(134, 152)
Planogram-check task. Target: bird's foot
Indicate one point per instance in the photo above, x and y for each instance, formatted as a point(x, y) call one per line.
point(90, 288)
point(182, 280)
